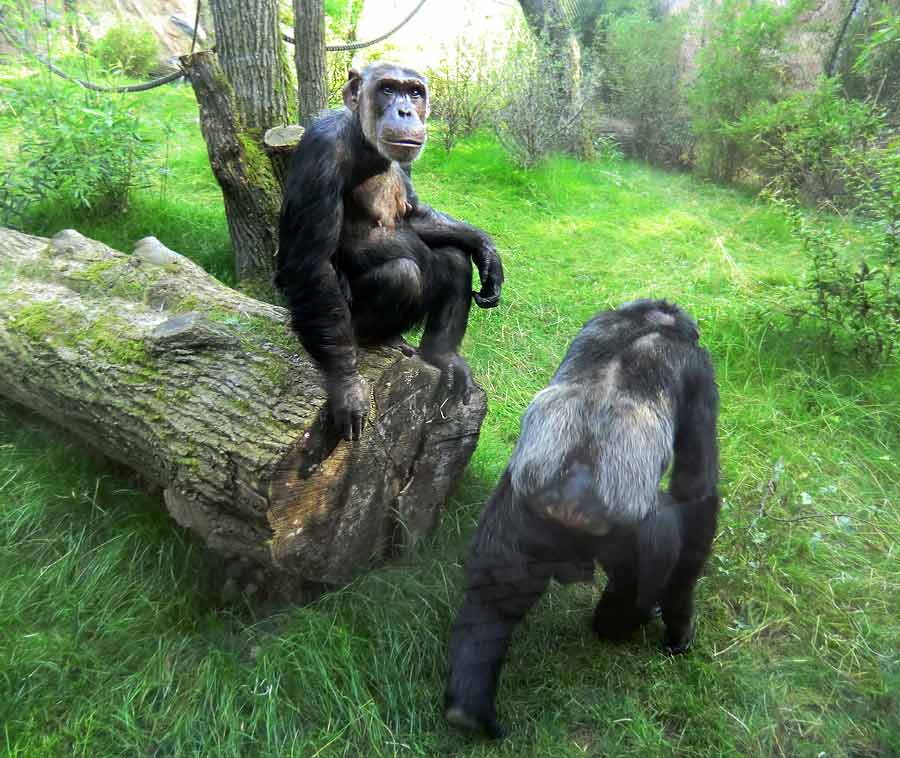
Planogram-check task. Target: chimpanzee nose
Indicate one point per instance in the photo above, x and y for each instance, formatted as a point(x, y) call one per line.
point(404, 112)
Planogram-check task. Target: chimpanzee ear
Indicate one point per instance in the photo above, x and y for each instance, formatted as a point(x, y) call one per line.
point(351, 89)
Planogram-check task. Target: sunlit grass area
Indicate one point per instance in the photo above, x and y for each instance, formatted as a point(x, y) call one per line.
point(112, 642)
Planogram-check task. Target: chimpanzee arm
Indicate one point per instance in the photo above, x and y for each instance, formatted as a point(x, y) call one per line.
point(435, 229)
point(310, 227)
point(695, 468)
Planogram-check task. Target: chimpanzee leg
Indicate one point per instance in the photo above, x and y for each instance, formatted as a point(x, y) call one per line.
point(387, 300)
point(698, 531)
point(448, 296)
point(617, 615)
point(498, 595)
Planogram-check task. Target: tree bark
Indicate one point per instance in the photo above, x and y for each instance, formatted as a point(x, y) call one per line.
point(200, 389)
point(249, 46)
point(243, 89)
point(250, 187)
point(309, 56)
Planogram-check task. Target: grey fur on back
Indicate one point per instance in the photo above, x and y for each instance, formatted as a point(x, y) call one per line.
point(624, 433)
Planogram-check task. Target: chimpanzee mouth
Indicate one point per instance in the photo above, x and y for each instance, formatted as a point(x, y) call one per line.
point(403, 143)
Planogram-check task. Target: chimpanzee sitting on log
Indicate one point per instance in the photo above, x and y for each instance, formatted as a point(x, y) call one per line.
point(634, 392)
point(361, 260)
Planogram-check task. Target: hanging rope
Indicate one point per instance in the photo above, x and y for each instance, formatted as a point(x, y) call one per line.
point(368, 43)
point(175, 75)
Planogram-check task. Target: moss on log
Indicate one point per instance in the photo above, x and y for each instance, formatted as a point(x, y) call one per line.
point(205, 391)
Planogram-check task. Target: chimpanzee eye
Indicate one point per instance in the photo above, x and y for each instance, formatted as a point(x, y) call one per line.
point(416, 93)
point(387, 89)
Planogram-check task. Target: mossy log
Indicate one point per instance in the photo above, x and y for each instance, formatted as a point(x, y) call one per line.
point(206, 392)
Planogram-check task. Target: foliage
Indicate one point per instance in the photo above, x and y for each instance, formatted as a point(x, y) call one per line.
point(532, 119)
point(740, 66)
point(462, 88)
point(129, 48)
point(852, 285)
point(870, 64)
point(800, 141)
point(84, 152)
point(644, 82)
point(336, 67)
point(342, 15)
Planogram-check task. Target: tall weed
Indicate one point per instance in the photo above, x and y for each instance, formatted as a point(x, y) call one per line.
point(83, 151)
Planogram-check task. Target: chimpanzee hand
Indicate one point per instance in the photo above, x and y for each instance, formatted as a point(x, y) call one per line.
point(349, 401)
point(490, 272)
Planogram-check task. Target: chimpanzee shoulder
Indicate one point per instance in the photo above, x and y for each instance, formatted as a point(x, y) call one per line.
point(322, 152)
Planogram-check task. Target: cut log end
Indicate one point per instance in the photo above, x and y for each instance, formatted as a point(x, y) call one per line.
point(283, 138)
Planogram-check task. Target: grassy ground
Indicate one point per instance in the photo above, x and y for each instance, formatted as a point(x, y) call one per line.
point(111, 644)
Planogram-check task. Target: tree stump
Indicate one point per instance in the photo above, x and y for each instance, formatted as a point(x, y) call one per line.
point(206, 392)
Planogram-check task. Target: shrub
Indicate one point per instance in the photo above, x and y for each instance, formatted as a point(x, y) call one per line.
point(83, 152)
point(531, 118)
point(462, 88)
point(644, 83)
point(852, 289)
point(740, 66)
point(869, 61)
point(128, 48)
point(800, 142)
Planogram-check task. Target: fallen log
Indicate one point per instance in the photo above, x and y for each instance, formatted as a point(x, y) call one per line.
point(205, 392)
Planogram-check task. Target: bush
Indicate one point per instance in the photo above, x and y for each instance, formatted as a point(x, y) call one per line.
point(84, 152)
point(800, 143)
point(462, 89)
point(740, 66)
point(128, 48)
point(531, 118)
point(869, 63)
point(644, 83)
point(852, 288)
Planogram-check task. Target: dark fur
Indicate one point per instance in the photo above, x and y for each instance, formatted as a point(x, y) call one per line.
point(361, 260)
point(634, 392)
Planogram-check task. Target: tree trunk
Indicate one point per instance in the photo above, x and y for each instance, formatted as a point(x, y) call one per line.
point(250, 186)
point(249, 90)
point(309, 55)
point(249, 46)
point(200, 389)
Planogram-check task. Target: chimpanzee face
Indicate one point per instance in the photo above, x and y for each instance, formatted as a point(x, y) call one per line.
point(392, 105)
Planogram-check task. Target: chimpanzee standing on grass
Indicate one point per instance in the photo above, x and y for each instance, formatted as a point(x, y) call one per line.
point(361, 260)
point(634, 393)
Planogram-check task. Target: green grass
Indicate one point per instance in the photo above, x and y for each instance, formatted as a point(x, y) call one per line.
point(111, 644)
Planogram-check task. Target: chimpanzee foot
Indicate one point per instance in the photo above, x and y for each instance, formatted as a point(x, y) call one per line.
point(398, 343)
point(679, 642)
point(456, 375)
point(615, 622)
point(486, 723)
